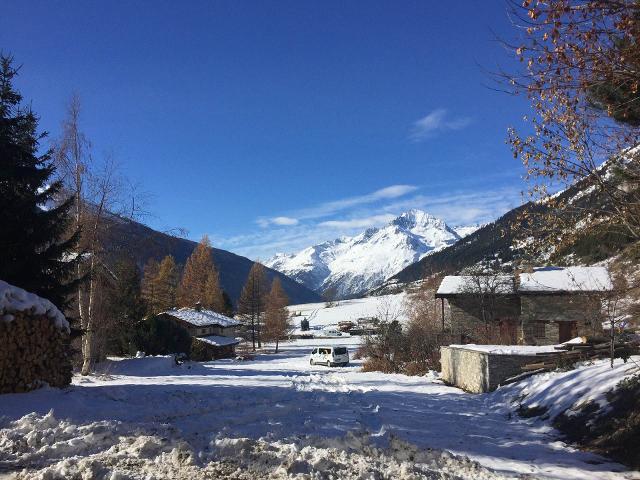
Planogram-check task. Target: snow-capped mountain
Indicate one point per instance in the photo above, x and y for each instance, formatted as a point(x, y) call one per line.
point(356, 264)
point(464, 230)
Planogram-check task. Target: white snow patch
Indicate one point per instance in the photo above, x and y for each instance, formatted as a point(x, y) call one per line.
point(14, 299)
point(203, 317)
point(507, 349)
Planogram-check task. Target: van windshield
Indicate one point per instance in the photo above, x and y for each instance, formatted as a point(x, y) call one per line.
point(339, 350)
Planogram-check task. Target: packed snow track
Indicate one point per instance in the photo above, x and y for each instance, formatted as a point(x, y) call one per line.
point(276, 417)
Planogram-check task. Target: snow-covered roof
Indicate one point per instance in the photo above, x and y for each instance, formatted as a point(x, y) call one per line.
point(507, 349)
point(218, 341)
point(202, 317)
point(541, 280)
point(460, 284)
point(14, 299)
point(566, 279)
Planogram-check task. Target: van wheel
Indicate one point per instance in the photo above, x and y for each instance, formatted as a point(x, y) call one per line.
point(311, 362)
point(331, 364)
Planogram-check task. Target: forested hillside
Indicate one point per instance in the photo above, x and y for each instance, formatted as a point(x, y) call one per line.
point(143, 243)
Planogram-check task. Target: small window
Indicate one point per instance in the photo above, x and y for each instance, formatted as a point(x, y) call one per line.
point(314, 351)
point(540, 329)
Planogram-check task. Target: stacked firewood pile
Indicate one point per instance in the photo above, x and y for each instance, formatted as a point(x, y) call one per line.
point(34, 351)
point(590, 348)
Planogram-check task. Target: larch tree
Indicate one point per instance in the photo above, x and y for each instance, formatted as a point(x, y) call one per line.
point(166, 284)
point(200, 283)
point(148, 289)
point(35, 243)
point(251, 304)
point(276, 315)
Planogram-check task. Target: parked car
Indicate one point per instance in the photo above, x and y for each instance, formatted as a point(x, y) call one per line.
point(330, 356)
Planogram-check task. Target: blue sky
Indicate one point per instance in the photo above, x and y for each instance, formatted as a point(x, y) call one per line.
point(273, 125)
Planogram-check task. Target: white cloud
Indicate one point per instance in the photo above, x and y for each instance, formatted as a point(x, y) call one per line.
point(456, 208)
point(280, 221)
point(435, 122)
point(359, 222)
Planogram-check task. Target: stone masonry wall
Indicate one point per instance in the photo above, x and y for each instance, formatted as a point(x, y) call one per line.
point(479, 372)
point(465, 369)
point(34, 351)
point(550, 309)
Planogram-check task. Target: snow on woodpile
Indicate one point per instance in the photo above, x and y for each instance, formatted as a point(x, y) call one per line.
point(566, 279)
point(35, 342)
point(202, 317)
point(14, 299)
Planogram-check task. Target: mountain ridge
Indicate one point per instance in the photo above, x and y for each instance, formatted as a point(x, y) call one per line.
point(353, 265)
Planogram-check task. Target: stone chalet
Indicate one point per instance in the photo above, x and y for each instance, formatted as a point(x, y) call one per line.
point(546, 306)
point(216, 331)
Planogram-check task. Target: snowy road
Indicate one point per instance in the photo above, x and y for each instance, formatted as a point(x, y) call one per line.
point(283, 401)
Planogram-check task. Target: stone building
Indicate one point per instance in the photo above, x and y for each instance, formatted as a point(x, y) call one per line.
point(546, 306)
point(214, 335)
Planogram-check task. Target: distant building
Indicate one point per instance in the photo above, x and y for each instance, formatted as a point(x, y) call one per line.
point(216, 332)
point(546, 306)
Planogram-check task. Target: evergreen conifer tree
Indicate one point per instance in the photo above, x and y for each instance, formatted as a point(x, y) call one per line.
point(35, 244)
point(126, 307)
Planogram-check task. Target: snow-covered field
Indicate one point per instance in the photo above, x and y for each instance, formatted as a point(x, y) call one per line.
point(322, 318)
point(278, 417)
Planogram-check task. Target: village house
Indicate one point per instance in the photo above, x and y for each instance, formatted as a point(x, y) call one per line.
point(546, 306)
point(216, 332)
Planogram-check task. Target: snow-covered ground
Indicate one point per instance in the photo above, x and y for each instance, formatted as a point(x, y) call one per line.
point(278, 416)
point(323, 318)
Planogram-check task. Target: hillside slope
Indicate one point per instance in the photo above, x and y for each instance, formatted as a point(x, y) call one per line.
point(509, 240)
point(143, 243)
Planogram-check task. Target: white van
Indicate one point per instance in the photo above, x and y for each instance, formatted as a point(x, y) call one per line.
point(330, 356)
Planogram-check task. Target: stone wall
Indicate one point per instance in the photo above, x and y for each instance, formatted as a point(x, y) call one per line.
point(465, 369)
point(479, 372)
point(540, 312)
point(34, 351)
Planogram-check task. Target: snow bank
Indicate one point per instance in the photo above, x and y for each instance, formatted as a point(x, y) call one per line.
point(560, 391)
point(14, 299)
point(54, 448)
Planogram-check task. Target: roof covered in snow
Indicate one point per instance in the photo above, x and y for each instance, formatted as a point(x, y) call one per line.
point(14, 299)
point(202, 317)
point(566, 279)
point(544, 280)
point(469, 284)
point(218, 341)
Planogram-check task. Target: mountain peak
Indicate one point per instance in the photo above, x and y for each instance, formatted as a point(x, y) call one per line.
point(415, 217)
point(356, 264)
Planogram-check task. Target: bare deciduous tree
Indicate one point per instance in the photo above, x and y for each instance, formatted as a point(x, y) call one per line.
point(581, 71)
point(100, 193)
